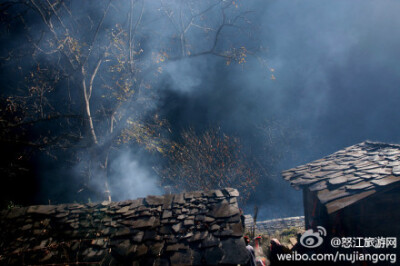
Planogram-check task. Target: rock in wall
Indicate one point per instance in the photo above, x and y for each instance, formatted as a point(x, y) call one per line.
point(271, 226)
point(184, 229)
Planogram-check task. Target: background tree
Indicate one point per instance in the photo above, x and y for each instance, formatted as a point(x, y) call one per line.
point(79, 75)
point(210, 160)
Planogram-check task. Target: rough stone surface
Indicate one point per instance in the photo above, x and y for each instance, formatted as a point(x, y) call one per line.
point(272, 226)
point(194, 228)
point(241, 255)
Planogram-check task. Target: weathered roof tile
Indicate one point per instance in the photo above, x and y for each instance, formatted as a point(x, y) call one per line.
point(359, 186)
point(386, 180)
point(396, 169)
point(318, 186)
point(338, 204)
point(353, 170)
point(327, 195)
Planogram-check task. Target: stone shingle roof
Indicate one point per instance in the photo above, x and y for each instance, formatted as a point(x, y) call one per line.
point(349, 175)
point(183, 229)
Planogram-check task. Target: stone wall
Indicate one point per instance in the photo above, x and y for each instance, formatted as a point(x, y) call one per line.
point(184, 229)
point(271, 226)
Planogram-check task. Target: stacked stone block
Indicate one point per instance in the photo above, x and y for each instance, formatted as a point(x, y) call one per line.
point(185, 229)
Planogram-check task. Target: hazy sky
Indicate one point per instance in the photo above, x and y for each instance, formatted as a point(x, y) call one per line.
point(337, 73)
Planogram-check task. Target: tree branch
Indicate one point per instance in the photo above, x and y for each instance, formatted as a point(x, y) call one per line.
point(48, 118)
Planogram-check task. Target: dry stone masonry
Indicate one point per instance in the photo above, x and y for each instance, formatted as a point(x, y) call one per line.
point(270, 227)
point(185, 229)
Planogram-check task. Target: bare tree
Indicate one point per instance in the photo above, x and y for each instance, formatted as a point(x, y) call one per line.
point(210, 160)
point(85, 75)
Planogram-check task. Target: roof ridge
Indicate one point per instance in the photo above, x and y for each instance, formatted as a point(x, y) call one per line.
point(384, 144)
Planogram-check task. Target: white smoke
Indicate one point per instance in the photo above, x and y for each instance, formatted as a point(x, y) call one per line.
point(133, 180)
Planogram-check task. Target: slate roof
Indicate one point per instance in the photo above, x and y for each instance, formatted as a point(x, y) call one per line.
point(184, 229)
point(349, 175)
